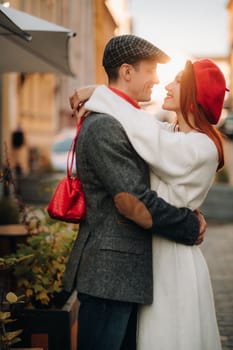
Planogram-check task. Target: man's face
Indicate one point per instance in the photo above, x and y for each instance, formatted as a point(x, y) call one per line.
point(143, 78)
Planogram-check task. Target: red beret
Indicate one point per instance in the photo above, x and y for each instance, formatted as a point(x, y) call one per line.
point(211, 87)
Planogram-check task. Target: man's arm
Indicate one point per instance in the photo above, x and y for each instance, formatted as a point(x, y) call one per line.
point(120, 170)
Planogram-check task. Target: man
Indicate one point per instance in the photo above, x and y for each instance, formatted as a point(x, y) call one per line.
point(111, 262)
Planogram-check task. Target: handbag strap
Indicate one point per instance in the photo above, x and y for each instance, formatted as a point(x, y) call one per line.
point(71, 152)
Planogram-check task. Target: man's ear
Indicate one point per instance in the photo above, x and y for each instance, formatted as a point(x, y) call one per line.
point(125, 71)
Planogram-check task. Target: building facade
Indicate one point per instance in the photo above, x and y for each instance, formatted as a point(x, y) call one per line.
point(38, 104)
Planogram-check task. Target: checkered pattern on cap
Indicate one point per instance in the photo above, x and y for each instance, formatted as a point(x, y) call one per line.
point(130, 49)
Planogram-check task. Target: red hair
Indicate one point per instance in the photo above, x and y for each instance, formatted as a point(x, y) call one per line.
point(188, 99)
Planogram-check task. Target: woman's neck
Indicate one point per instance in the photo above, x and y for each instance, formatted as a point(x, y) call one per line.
point(183, 126)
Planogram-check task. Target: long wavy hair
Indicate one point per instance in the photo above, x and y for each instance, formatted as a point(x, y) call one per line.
point(188, 100)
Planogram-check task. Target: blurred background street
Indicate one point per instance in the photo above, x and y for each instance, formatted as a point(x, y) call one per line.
point(217, 249)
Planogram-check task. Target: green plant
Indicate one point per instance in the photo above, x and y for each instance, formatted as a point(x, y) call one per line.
point(44, 255)
point(8, 337)
point(40, 276)
point(12, 261)
point(7, 265)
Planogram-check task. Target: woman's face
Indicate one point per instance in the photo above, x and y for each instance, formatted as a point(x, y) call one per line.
point(172, 100)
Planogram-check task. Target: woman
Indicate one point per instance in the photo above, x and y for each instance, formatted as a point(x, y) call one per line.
point(183, 160)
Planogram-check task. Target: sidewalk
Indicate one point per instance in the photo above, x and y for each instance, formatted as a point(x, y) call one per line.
point(218, 251)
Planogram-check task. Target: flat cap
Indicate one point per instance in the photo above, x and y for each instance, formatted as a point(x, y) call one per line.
point(130, 49)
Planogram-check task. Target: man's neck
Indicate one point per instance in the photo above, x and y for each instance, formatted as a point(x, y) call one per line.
point(124, 95)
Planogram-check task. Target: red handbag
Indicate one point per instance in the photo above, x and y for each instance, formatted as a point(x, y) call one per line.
point(68, 201)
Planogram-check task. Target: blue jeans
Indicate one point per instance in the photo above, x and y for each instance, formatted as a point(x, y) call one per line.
point(106, 324)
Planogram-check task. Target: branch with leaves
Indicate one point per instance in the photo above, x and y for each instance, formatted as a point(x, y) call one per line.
point(8, 337)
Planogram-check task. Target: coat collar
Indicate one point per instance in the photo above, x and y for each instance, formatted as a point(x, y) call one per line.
point(125, 97)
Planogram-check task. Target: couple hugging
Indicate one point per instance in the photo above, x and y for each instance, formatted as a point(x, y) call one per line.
point(141, 278)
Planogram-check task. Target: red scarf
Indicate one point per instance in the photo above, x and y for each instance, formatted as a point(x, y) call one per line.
point(125, 97)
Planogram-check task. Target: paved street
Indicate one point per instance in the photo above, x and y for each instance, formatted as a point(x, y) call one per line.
point(218, 251)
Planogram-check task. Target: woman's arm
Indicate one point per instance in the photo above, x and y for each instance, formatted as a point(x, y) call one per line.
point(185, 162)
point(78, 99)
point(100, 106)
point(169, 154)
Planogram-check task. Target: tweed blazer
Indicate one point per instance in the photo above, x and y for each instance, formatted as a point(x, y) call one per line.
point(112, 256)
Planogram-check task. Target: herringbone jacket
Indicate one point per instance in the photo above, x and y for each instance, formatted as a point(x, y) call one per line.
point(112, 256)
